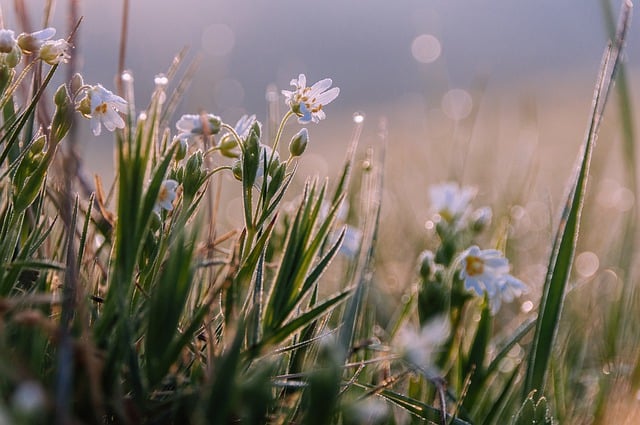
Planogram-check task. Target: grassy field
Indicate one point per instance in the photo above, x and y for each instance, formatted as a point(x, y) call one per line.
point(391, 267)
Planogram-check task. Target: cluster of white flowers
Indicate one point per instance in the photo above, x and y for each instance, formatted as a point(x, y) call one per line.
point(483, 271)
point(38, 43)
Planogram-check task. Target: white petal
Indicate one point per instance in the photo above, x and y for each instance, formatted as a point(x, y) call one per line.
point(328, 96)
point(96, 127)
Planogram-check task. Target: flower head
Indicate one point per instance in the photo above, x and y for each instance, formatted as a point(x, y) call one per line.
point(10, 52)
point(55, 51)
point(194, 126)
point(307, 102)
point(166, 195)
point(7, 41)
point(103, 109)
point(487, 272)
point(32, 42)
point(450, 201)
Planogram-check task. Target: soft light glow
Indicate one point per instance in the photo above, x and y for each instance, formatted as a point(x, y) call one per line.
point(457, 104)
point(218, 39)
point(587, 263)
point(426, 48)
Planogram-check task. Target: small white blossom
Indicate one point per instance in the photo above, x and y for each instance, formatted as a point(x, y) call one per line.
point(487, 272)
point(32, 42)
point(166, 196)
point(55, 51)
point(450, 201)
point(104, 109)
point(307, 102)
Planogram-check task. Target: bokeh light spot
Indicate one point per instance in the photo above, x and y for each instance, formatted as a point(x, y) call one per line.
point(587, 264)
point(457, 104)
point(426, 48)
point(218, 39)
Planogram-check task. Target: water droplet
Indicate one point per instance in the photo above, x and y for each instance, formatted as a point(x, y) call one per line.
point(526, 306)
point(429, 225)
point(142, 116)
point(358, 117)
point(161, 80)
point(127, 76)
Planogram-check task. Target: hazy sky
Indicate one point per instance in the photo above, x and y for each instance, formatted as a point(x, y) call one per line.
point(375, 50)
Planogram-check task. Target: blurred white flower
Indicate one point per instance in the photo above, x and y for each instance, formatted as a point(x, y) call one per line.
point(55, 51)
point(419, 347)
point(307, 102)
point(487, 272)
point(31, 42)
point(166, 196)
point(104, 109)
point(29, 397)
point(450, 201)
point(244, 124)
point(7, 41)
point(192, 127)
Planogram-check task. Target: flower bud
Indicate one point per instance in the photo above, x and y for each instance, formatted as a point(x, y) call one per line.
point(55, 52)
point(183, 147)
point(228, 146)
point(480, 219)
point(12, 59)
point(214, 124)
point(194, 176)
point(32, 42)
point(236, 169)
point(38, 145)
point(427, 264)
point(77, 82)
point(61, 122)
point(299, 142)
point(256, 128)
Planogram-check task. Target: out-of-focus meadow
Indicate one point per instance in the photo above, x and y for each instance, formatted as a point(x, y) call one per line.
point(491, 94)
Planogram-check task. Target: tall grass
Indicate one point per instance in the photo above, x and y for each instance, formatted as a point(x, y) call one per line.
point(142, 307)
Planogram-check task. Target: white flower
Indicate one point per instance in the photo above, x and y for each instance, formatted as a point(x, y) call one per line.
point(307, 102)
point(7, 41)
point(54, 51)
point(418, 347)
point(32, 42)
point(104, 109)
point(244, 124)
point(198, 124)
point(487, 272)
point(166, 196)
point(450, 201)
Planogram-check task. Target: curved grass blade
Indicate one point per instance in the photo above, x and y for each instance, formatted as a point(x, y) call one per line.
point(564, 245)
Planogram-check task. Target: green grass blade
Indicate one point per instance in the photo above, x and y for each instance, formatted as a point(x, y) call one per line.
point(564, 246)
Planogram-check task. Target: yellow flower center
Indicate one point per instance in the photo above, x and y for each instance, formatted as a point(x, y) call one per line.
point(474, 266)
point(101, 108)
point(163, 195)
